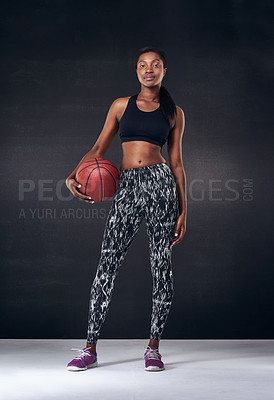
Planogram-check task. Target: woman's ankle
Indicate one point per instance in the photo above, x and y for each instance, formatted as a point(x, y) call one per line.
point(154, 343)
point(92, 348)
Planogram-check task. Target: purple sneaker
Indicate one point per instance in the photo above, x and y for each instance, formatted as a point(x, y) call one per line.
point(86, 359)
point(153, 359)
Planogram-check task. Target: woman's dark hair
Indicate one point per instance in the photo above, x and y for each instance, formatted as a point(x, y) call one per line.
point(166, 102)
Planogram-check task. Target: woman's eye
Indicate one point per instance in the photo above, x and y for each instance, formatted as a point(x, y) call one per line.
point(155, 65)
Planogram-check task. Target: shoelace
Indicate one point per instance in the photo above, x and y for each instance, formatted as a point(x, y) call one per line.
point(82, 354)
point(153, 353)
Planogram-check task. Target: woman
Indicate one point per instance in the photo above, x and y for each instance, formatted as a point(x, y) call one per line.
point(148, 188)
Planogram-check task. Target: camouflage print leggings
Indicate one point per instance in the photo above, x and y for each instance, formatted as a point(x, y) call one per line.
point(148, 192)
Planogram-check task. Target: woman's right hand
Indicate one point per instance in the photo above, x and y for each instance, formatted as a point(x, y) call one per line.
point(74, 186)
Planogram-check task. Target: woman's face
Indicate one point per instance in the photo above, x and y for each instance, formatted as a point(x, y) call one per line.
point(150, 69)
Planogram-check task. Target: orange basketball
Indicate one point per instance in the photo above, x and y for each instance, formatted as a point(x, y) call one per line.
point(99, 179)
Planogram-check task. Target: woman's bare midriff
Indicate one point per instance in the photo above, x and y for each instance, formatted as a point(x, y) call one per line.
point(140, 154)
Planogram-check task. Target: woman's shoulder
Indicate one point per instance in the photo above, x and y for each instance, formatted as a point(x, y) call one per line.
point(179, 119)
point(121, 100)
point(180, 111)
point(120, 105)
point(179, 116)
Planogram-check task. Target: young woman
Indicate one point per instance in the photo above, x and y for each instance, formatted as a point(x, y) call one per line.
point(148, 188)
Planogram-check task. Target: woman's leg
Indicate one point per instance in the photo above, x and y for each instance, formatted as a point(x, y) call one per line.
point(161, 216)
point(122, 224)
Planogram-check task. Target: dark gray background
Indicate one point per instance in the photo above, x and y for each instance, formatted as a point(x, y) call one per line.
point(63, 64)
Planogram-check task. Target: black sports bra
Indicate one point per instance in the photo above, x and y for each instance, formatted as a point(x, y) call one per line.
point(149, 126)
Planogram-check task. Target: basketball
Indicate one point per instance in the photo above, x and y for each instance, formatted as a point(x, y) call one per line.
point(99, 179)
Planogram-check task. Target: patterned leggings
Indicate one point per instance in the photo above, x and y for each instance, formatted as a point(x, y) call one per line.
point(148, 192)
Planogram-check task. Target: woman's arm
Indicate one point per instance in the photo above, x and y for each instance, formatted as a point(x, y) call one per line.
point(99, 149)
point(177, 168)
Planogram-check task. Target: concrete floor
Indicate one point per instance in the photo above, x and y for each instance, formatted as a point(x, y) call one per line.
point(195, 369)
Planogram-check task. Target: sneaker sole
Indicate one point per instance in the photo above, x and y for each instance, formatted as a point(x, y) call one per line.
point(154, 368)
point(82, 369)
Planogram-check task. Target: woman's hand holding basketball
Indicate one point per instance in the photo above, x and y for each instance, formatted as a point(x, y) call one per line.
point(74, 186)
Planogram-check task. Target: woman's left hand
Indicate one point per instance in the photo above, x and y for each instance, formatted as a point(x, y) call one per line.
point(180, 229)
